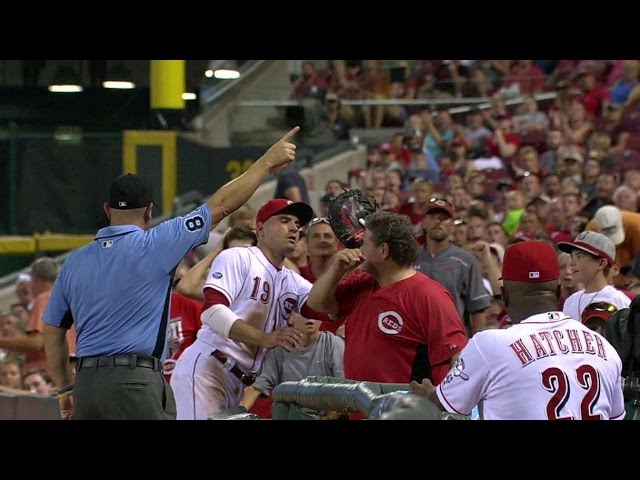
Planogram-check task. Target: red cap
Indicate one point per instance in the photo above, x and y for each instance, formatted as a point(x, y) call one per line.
point(601, 310)
point(439, 204)
point(530, 262)
point(279, 206)
point(385, 148)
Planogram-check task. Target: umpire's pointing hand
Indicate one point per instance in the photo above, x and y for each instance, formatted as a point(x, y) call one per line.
point(282, 152)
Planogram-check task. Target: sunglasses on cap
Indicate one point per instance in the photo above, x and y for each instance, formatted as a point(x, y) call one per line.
point(601, 307)
point(317, 220)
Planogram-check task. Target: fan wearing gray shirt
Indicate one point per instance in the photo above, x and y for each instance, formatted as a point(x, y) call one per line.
point(454, 267)
point(321, 354)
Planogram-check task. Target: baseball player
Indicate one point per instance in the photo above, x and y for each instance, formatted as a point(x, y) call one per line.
point(547, 366)
point(249, 297)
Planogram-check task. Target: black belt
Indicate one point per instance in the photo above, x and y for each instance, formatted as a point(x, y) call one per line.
point(130, 360)
point(245, 378)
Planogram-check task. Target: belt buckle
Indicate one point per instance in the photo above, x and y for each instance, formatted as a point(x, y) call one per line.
point(247, 379)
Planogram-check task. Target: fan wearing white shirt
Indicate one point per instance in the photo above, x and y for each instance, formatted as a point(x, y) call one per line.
point(592, 257)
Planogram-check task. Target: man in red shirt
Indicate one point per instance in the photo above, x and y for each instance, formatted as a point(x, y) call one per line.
point(402, 325)
point(184, 323)
point(421, 191)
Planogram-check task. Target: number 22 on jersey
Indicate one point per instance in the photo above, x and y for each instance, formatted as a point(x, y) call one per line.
point(556, 381)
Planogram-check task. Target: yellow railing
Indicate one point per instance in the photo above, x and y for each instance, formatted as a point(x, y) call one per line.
point(47, 242)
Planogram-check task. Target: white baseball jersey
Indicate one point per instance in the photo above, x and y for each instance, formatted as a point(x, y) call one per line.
point(575, 304)
point(548, 366)
point(259, 294)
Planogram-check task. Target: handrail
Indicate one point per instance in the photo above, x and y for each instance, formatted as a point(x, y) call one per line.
point(11, 278)
point(211, 94)
point(387, 101)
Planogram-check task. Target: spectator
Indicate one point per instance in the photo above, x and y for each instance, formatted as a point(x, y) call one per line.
point(291, 186)
point(531, 119)
point(334, 188)
point(23, 290)
point(568, 283)
point(421, 191)
point(515, 210)
point(496, 234)
point(577, 125)
point(590, 174)
point(592, 257)
point(11, 373)
point(551, 186)
point(549, 159)
point(625, 198)
point(310, 85)
point(417, 333)
point(459, 235)
point(528, 78)
point(43, 275)
point(629, 80)
point(503, 143)
point(439, 133)
point(623, 229)
point(595, 98)
point(476, 133)
point(333, 117)
point(319, 354)
point(453, 267)
point(39, 381)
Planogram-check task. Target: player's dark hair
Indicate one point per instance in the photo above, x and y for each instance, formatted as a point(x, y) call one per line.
point(396, 231)
point(241, 232)
point(39, 371)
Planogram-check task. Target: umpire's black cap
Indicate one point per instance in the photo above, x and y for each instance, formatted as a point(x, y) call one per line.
point(130, 191)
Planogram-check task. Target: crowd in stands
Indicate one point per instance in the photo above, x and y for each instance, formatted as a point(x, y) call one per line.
point(539, 170)
point(519, 169)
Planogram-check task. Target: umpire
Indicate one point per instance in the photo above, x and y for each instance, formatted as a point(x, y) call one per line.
point(117, 289)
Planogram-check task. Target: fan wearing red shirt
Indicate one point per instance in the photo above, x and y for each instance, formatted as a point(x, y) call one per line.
point(402, 325)
point(184, 323)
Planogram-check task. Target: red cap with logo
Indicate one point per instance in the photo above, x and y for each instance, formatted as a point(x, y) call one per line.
point(439, 205)
point(280, 206)
point(530, 262)
point(600, 310)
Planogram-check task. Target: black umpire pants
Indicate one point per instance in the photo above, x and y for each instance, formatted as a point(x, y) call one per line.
point(122, 387)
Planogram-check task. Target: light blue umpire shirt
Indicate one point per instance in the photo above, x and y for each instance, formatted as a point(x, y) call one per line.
point(117, 288)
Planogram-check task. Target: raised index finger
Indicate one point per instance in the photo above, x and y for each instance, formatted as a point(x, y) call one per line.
point(290, 134)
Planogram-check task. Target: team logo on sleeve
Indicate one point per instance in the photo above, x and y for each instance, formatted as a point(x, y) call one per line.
point(193, 224)
point(457, 370)
point(390, 322)
point(217, 275)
